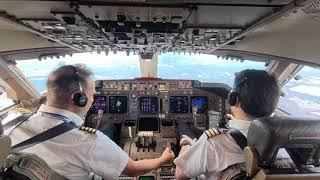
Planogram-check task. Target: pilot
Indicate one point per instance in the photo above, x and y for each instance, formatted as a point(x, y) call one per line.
point(77, 154)
point(255, 94)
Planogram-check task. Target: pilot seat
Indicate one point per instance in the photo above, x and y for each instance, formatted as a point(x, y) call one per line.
point(300, 137)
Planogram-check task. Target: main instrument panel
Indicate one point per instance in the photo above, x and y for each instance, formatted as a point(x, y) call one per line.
point(147, 111)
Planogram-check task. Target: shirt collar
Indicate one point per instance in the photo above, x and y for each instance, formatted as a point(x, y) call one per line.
point(68, 114)
point(241, 125)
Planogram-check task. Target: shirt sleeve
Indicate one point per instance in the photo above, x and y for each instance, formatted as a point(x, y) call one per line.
point(107, 158)
point(196, 161)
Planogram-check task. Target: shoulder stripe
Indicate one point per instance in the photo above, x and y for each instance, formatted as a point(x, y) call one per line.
point(88, 129)
point(216, 131)
point(207, 133)
point(212, 132)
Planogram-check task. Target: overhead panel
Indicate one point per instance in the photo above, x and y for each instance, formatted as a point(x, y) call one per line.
point(139, 26)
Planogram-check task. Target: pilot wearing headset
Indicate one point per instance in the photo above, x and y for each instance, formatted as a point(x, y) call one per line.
point(78, 154)
point(255, 94)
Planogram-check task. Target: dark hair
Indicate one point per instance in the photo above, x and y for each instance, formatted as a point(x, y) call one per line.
point(64, 81)
point(258, 92)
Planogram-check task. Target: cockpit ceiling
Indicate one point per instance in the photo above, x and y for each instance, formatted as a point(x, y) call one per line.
point(274, 27)
point(293, 36)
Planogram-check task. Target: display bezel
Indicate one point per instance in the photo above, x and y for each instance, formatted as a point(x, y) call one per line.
point(146, 119)
point(126, 107)
point(202, 97)
point(105, 109)
point(156, 105)
point(175, 112)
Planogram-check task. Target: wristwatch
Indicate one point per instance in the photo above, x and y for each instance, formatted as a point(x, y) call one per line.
point(185, 142)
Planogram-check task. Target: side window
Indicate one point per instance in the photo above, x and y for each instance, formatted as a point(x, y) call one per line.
point(5, 102)
point(302, 93)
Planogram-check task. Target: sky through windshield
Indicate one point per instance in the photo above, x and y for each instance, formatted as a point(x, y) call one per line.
point(206, 68)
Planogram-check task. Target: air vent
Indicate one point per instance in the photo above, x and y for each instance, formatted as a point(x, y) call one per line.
point(312, 7)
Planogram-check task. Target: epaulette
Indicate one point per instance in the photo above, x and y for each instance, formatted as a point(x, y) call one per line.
point(88, 129)
point(212, 132)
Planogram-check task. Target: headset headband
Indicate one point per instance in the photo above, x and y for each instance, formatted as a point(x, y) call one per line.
point(243, 81)
point(76, 77)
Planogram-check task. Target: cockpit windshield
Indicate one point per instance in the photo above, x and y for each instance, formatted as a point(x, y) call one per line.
point(205, 68)
point(301, 93)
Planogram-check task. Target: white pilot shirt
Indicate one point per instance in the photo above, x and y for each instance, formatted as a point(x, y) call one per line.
point(209, 157)
point(73, 154)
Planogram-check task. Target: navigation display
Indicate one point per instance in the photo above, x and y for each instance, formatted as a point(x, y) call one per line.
point(148, 105)
point(179, 104)
point(99, 102)
point(118, 104)
point(199, 102)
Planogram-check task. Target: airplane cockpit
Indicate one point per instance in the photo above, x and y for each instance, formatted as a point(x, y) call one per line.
point(126, 44)
point(146, 111)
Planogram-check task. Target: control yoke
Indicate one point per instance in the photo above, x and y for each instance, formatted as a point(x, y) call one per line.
point(99, 117)
point(194, 117)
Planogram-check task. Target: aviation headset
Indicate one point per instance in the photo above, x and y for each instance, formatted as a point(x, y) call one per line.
point(234, 94)
point(79, 98)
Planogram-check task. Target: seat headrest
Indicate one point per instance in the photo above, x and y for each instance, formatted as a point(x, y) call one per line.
point(268, 134)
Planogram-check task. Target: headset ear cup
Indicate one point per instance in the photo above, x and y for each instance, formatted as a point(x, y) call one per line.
point(80, 99)
point(83, 100)
point(233, 98)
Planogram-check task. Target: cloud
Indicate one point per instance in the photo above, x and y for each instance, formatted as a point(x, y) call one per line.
point(4, 101)
point(316, 113)
point(310, 90)
point(101, 59)
point(100, 77)
point(38, 78)
point(304, 104)
point(161, 65)
point(311, 80)
point(228, 74)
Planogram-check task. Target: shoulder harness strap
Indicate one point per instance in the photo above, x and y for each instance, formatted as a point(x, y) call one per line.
point(240, 139)
point(44, 136)
point(17, 120)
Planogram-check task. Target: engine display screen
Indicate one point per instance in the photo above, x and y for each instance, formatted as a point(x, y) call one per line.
point(146, 178)
point(149, 124)
point(179, 104)
point(118, 104)
point(200, 103)
point(167, 122)
point(99, 102)
point(149, 105)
